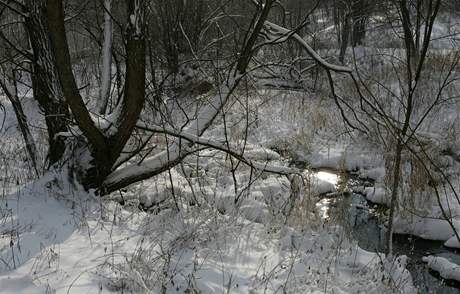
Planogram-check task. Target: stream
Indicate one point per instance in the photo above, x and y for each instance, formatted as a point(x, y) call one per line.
point(364, 221)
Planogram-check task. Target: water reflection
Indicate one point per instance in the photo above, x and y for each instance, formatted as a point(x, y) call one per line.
point(365, 225)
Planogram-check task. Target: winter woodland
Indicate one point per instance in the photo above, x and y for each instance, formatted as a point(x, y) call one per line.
point(229, 146)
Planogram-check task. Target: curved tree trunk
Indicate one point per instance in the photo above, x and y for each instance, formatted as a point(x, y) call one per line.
point(46, 88)
point(104, 146)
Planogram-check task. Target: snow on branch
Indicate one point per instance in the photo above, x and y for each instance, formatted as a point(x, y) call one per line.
point(277, 34)
point(179, 149)
point(207, 115)
point(221, 146)
point(164, 160)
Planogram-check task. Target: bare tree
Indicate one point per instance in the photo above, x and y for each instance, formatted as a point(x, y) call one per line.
point(403, 123)
point(56, 90)
point(106, 76)
point(45, 82)
point(12, 59)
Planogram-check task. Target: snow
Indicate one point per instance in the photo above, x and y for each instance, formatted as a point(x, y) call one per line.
point(282, 33)
point(349, 158)
point(377, 195)
point(208, 113)
point(396, 269)
point(322, 187)
point(54, 239)
point(257, 157)
point(92, 255)
point(260, 154)
point(12, 148)
point(377, 173)
point(73, 242)
point(59, 238)
point(446, 268)
point(196, 127)
point(82, 244)
point(13, 284)
point(328, 177)
point(452, 242)
point(31, 225)
point(426, 228)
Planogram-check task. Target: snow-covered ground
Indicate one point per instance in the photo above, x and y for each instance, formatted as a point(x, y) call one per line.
point(447, 269)
point(56, 237)
point(204, 229)
point(191, 238)
point(321, 145)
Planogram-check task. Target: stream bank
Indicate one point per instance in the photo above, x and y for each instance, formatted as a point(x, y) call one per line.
point(364, 221)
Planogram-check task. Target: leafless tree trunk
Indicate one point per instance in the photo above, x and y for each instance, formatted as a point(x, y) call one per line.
point(178, 150)
point(56, 89)
point(9, 87)
point(359, 15)
point(414, 64)
point(104, 148)
point(106, 75)
point(45, 83)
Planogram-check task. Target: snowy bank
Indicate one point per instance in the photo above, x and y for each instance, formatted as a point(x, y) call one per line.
point(426, 228)
point(446, 268)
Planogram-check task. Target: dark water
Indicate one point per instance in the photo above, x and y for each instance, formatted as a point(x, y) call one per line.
point(364, 222)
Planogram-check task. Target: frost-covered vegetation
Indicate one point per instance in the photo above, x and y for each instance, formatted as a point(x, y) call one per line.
point(237, 146)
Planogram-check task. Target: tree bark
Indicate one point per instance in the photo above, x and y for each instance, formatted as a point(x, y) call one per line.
point(127, 114)
point(104, 146)
point(45, 83)
point(359, 19)
point(106, 75)
point(411, 47)
point(178, 150)
point(345, 35)
point(394, 195)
